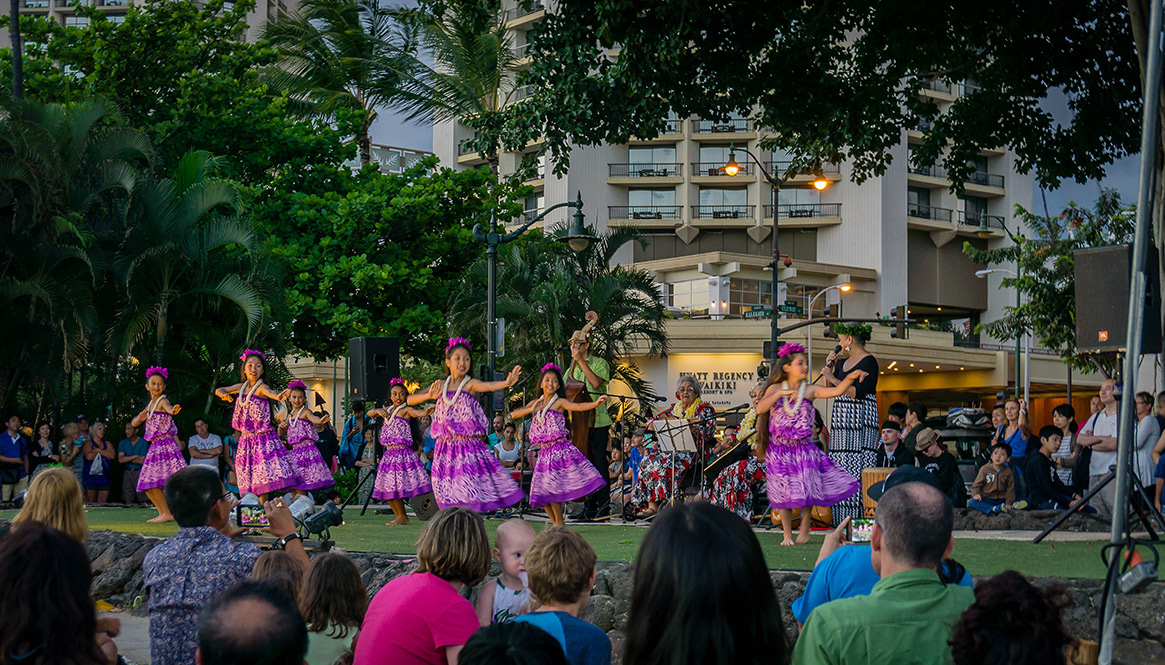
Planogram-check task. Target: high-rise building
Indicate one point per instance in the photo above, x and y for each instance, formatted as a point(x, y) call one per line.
point(62, 11)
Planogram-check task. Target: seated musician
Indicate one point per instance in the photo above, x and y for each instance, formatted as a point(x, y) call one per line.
point(661, 467)
point(735, 484)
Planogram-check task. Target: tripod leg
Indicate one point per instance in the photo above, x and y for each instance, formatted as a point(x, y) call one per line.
point(1150, 508)
point(1108, 477)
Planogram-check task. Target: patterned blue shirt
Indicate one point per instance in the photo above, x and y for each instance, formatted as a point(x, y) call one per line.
point(183, 575)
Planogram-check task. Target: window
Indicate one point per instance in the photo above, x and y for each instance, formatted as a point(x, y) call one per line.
point(651, 197)
point(116, 19)
point(690, 297)
point(976, 205)
point(535, 202)
point(718, 154)
point(76, 21)
point(917, 197)
point(980, 163)
point(712, 196)
point(745, 294)
point(654, 154)
point(803, 196)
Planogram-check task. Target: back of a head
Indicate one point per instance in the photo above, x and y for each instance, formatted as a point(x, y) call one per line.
point(916, 522)
point(47, 613)
point(279, 568)
point(333, 597)
point(54, 499)
point(512, 643)
point(454, 546)
point(702, 594)
point(1011, 621)
point(560, 563)
point(191, 492)
point(253, 623)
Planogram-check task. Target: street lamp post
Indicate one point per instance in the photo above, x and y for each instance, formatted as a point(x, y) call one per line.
point(984, 231)
point(844, 288)
point(578, 239)
point(731, 169)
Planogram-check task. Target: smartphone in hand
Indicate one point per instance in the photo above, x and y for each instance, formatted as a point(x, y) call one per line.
point(860, 530)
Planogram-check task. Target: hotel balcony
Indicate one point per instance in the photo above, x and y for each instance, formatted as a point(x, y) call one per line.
point(673, 130)
point(645, 217)
point(982, 183)
point(778, 168)
point(737, 129)
point(933, 176)
point(708, 173)
point(971, 218)
point(723, 216)
point(520, 16)
point(647, 173)
point(804, 215)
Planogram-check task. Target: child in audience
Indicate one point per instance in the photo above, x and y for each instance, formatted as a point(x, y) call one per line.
point(511, 643)
point(333, 601)
point(994, 488)
point(562, 573)
point(279, 568)
point(1047, 491)
point(505, 597)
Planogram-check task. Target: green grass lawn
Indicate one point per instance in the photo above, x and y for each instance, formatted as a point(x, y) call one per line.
point(620, 543)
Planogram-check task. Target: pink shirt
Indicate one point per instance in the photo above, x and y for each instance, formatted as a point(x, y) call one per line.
point(411, 621)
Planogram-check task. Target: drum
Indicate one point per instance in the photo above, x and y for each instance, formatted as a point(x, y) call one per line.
point(822, 518)
point(870, 477)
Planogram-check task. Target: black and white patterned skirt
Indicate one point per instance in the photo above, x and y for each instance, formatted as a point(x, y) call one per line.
point(853, 443)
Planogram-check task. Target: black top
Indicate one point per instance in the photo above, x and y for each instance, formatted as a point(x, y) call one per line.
point(944, 468)
point(867, 386)
point(1043, 483)
point(903, 456)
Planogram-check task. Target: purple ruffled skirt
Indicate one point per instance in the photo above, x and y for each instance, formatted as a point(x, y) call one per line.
point(465, 474)
point(263, 464)
point(401, 475)
point(163, 460)
point(309, 464)
point(800, 475)
point(562, 474)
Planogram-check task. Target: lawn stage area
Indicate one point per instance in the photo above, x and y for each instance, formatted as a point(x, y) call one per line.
point(621, 543)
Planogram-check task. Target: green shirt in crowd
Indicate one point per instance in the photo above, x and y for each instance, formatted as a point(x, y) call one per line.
point(906, 620)
point(602, 369)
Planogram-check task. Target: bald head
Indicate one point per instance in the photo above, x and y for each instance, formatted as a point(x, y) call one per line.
point(514, 531)
point(253, 623)
point(916, 522)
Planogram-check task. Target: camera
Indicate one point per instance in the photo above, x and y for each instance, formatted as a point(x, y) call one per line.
point(860, 530)
point(250, 516)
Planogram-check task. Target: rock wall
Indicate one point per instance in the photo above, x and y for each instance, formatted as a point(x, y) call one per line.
point(1140, 627)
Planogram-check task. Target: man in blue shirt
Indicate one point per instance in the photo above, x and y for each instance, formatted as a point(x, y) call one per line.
point(13, 459)
point(131, 452)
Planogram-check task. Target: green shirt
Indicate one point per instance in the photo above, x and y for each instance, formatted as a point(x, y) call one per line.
point(602, 369)
point(906, 620)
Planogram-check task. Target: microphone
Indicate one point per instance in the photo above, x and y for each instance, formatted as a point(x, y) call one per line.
point(831, 363)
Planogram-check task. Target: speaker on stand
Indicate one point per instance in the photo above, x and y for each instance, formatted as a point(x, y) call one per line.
point(1102, 303)
point(372, 363)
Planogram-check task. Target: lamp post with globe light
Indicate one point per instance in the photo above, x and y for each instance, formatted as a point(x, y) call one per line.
point(844, 287)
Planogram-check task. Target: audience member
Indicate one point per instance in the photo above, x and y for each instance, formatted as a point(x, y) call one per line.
point(98, 454)
point(131, 452)
point(204, 447)
point(1067, 457)
point(1099, 435)
point(70, 448)
point(54, 500)
point(892, 452)
point(635, 456)
point(507, 450)
point(932, 456)
point(79, 443)
point(512, 643)
point(279, 568)
point(333, 601)
point(1146, 435)
point(187, 571)
point(998, 423)
point(42, 452)
point(1016, 432)
point(915, 417)
point(1046, 490)
point(328, 443)
point(230, 444)
point(844, 570)
point(352, 438)
point(47, 614)
point(994, 488)
point(912, 535)
point(562, 575)
point(421, 618)
point(495, 436)
point(505, 597)
point(252, 623)
point(429, 442)
point(13, 459)
point(896, 413)
point(1160, 416)
point(1010, 622)
point(702, 593)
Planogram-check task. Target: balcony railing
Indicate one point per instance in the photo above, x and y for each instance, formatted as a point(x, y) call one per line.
point(729, 126)
point(521, 51)
point(465, 148)
point(643, 212)
point(803, 210)
point(715, 169)
point(524, 92)
point(972, 218)
point(967, 89)
point(520, 11)
point(391, 159)
point(986, 179)
point(34, 4)
point(645, 170)
point(723, 212)
point(937, 86)
point(528, 215)
point(781, 166)
point(924, 125)
point(114, 3)
point(929, 212)
point(932, 171)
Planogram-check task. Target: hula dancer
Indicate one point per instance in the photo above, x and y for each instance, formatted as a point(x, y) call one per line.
point(262, 463)
point(300, 424)
point(854, 428)
point(401, 474)
point(165, 454)
point(799, 474)
point(562, 473)
point(465, 474)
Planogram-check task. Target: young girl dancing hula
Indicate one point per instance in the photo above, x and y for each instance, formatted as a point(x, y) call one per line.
point(165, 455)
point(300, 424)
point(401, 474)
point(562, 473)
point(262, 463)
point(799, 475)
point(465, 474)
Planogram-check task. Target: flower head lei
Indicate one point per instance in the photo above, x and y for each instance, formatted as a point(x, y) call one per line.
point(252, 352)
point(160, 371)
point(551, 366)
point(396, 382)
point(454, 341)
point(853, 329)
point(297, 385)
point(790, 349)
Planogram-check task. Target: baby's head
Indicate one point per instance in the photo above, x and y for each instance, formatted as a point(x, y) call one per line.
point(510, 544)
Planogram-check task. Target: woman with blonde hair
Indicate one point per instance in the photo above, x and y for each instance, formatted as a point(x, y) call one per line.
point(54, 500)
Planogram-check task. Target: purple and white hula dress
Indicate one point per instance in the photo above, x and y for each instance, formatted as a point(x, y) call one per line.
point(562, 473)
point(798, 473)
point(305, 456)
point(465, 474)
point(165, 455)
point(262, 463)
point(401, 474)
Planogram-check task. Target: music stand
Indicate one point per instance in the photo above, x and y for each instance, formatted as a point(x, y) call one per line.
point(676, 439)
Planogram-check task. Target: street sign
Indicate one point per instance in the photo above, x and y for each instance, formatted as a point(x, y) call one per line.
point(791, 309)
point(501, 338)
point(758, 314)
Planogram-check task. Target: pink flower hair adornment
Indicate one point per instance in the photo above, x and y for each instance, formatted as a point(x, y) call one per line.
point(160, 371)
point(252, 352)
point(396, 382)
point(790, 349)
point(297, 384)
point(551, 366)
point(454, 341)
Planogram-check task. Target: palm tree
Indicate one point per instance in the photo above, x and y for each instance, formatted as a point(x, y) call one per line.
point(184, 247)
point(335, 57)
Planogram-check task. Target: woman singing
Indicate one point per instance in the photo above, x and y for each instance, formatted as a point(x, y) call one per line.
point(657, 471)
point(853, 432)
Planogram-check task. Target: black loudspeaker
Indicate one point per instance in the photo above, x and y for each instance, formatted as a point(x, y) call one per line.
point(372, 363)
point(1102, 300)
point(425, 506)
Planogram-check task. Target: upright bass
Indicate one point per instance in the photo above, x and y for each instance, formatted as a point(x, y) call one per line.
point(576, 391)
